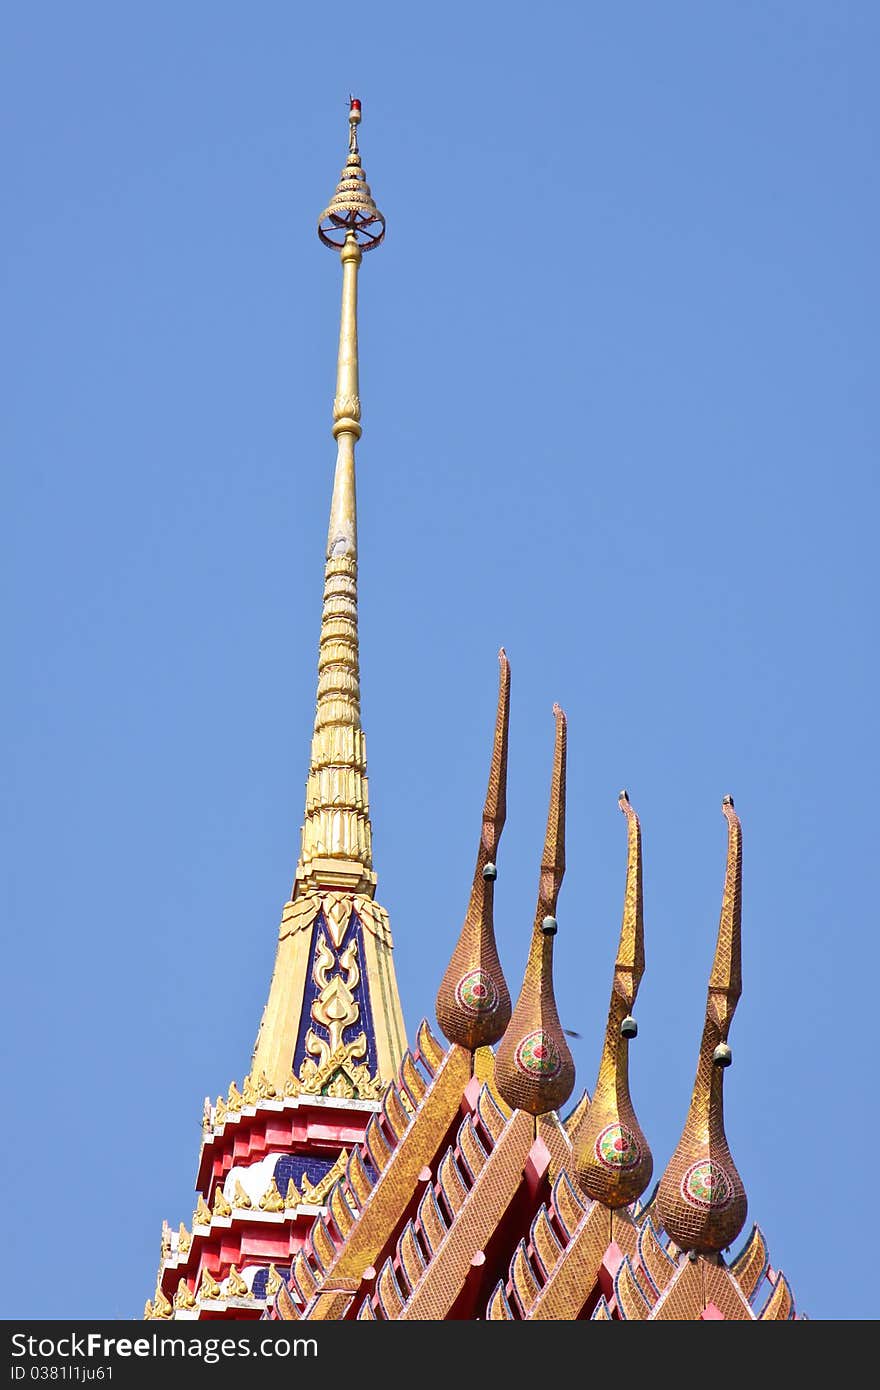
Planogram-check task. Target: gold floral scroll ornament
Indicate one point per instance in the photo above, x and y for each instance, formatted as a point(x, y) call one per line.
point(335, 1008)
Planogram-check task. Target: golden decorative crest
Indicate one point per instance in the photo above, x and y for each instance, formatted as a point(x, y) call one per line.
point(273, 1283)
point(265, 1089)
point(272, 1199)
point(313, 1194)
point(234, 1098)
point(291, 1197)
point(202, 1213)
point(184, 1298)
point(209, 1288)
point(240, 1198)
point(235, 1285)
point(184, 1239)
point(317, 1078)
point(161, 1306)
point(220, 1112)
point(221, 1206)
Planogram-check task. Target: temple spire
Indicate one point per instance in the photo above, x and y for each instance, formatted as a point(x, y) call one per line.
point(333, 1011)
point(534, 1070)
point(336, 847)
point(701, 1198)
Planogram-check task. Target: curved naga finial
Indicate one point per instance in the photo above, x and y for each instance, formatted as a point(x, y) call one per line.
point(534, 1070)
point(613, 1162)
point(701, 1198)
point(473, 1001)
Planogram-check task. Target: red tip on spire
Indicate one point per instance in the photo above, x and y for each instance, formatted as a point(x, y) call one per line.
point(355, 104)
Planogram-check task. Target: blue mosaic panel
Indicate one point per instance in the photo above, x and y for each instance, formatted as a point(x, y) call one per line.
point(360, 994)
point(295, 1165)
point(258, 1288)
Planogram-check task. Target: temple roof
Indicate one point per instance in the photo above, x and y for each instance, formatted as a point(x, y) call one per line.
point(472, 1198)
point(353, 1178)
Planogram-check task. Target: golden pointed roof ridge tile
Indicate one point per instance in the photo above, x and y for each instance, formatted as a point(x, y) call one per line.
point(701, 1199)
point(534, 1070)
point(473, 1001)
point(612, 1157)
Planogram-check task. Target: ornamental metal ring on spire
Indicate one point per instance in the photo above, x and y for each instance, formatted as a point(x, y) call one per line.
point(352, 209)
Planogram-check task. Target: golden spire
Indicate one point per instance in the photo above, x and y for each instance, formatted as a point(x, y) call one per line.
point(473, 1001)
point(534, 1070)
point(333, 934)
point(701, 1198)
point(612, 1159)
point(336, 836)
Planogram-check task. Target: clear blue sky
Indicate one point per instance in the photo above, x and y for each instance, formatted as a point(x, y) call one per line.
point(619, 375)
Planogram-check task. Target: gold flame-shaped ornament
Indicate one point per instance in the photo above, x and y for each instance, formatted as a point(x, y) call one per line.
point(701, 1199)
point(612, 1159)
point(473, 1001)
point(534, 1070)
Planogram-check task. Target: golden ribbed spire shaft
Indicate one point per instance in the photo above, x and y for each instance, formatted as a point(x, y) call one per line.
point(701, 1198)
point(336, 836)
point(612, 1159)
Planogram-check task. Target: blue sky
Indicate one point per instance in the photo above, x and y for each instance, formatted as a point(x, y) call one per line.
point(619, 365)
